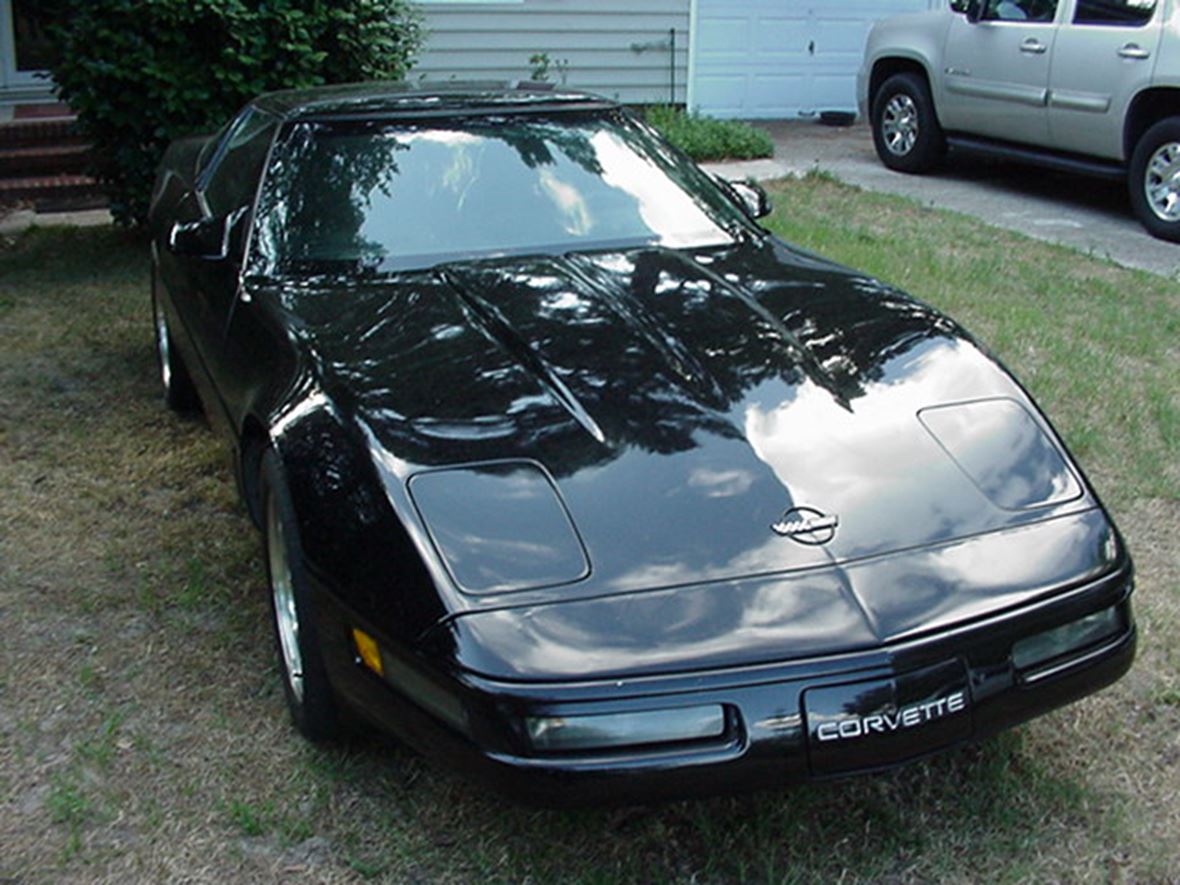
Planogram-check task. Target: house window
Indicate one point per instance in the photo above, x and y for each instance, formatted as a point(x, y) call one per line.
point(28, 31)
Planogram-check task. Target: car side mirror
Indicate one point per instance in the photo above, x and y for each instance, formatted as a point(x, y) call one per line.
point(205, 238)
point(749, 196)
point(754, 198)
point(215, 238)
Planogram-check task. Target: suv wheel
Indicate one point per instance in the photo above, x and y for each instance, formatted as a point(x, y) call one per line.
point(905, 129)
point(1154, 179)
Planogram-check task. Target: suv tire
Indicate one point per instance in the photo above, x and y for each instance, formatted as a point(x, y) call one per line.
point(1154, 179)
point(905, 128)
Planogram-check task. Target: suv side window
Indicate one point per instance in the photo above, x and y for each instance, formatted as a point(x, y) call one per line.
point(1128, 13)
point(232, 178)
point(1019, 10)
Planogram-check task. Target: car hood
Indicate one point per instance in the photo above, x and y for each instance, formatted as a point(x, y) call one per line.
point(562, 428)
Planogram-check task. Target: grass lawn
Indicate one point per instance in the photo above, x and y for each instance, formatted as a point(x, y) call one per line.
point(143, 735)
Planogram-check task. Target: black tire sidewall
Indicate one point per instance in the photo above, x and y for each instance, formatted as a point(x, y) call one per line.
point(316, 715)
point(930, 145)
point(179, 393)
point(1162, 132)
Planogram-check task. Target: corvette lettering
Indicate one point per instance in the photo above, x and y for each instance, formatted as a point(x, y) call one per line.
point(887, 723)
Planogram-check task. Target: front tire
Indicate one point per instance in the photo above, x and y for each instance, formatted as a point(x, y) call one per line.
point(179, 393)
point(906, 132)
point(1154, 179)
point(309, 695)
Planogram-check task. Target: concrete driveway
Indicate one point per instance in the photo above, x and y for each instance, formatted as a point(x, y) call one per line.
point(1090, 215)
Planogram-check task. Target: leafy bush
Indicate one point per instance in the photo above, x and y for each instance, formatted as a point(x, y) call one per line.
point(704, 138)
point(140, 73)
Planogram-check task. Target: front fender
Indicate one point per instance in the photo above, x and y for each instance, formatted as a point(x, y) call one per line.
point(905, 42)
point(354, 543)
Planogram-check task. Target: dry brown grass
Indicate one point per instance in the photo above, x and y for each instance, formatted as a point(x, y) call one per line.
point(143, 735)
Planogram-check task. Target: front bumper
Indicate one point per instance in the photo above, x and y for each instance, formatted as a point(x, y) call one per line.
point(784, 722)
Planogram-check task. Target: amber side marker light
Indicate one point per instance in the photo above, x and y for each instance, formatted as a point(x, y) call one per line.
point(368, 651)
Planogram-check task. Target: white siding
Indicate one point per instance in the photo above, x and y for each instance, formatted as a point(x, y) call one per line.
point(618, 48)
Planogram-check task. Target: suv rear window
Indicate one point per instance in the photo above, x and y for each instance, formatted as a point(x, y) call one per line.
point(1128, 13)
point(1019, 10)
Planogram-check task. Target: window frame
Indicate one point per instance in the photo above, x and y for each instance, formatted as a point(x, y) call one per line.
point(244, 118)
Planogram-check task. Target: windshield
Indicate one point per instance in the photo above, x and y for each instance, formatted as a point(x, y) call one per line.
point(410, 196)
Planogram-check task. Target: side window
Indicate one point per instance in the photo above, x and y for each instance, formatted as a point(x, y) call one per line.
point(209, 151)
point(1127, 13)
point(231, 181)
point(1019, 10)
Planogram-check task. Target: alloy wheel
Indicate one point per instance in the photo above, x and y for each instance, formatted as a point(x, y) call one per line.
point(163, 349)
point(1161, 183)
point(899, 124)
point(282, 587)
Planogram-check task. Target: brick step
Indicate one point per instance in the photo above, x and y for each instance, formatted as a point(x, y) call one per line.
point(31, 161)
point(36, 131)
point(52, 193)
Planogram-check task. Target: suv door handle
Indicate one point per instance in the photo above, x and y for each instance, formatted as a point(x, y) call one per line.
point(1033, 46)
point(1134, 50)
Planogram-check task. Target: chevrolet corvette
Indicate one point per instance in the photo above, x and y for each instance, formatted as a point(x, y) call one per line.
point(574, 478)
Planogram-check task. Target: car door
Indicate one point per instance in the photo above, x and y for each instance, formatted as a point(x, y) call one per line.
point(997, 70)
point(224, 197)
point(1103, 57)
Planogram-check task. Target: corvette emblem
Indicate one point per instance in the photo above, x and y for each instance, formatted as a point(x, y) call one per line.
point(807, 526)
point(887, 723)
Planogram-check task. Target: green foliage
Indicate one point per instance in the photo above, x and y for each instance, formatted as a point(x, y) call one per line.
point(140, 73)
point(704, 138)
point(541, 65)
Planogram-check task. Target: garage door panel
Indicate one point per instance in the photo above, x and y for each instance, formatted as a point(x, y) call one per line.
point(848, 36)
point(774, 33)
point(779, 58)
point(831, 91)
point(718, 93)
point(725, 35)
point(768, 93)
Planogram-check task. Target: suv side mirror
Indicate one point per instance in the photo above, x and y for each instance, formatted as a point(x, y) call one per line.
point(973, 9)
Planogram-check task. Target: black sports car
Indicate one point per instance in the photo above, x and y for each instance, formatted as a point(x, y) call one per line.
point(574, 477)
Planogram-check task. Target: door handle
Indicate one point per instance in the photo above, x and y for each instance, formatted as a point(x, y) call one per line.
point(1033, 46)
point(1134, 50)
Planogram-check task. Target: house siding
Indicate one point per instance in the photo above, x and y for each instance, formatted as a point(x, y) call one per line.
point(617, 48)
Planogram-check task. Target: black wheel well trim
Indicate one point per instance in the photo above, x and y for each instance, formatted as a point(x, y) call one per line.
point(884, 68)
point(1146, 109)
point(253, 442)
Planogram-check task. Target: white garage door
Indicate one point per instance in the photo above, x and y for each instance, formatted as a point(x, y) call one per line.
point(779, 58)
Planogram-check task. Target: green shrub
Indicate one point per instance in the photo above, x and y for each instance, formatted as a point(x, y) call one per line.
point(704, 138)
point(140, 73)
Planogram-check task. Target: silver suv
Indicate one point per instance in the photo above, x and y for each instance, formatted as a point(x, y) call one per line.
point(1088, 86)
